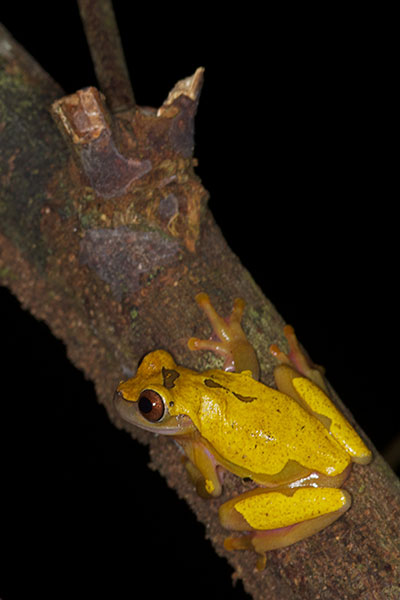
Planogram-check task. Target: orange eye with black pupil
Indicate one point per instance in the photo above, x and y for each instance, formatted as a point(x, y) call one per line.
point(151, 406)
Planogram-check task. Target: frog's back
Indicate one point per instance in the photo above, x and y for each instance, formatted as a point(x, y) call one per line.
point(261, 429)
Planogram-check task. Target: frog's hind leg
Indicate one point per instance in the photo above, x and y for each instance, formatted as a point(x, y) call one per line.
point(228, 339)
point(314, 399)
point(299, 378)
point(279, 518)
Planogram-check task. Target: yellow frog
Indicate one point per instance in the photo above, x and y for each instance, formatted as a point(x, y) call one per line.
point(293, 443)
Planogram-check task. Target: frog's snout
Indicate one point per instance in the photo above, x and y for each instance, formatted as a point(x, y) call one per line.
point(120, 404)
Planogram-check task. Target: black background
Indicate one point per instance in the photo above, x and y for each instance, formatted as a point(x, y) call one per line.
point(293, 138)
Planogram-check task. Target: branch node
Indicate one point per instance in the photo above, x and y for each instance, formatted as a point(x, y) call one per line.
point(84, 120)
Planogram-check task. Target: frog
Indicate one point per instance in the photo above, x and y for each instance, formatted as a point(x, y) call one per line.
point(290, 444)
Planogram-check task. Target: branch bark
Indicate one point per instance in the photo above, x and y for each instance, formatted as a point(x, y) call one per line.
point(109, 244)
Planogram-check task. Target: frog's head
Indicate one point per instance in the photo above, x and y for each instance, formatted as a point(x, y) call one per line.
point(145, 399)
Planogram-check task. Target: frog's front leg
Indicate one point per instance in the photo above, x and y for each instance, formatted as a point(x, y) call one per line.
point(201, 466)
point(280, 517)
point(228, 339)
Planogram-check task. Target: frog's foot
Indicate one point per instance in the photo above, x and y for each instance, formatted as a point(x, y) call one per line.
point(228, 339)
point(245, 542)
point(298, 358)
point(275, 519)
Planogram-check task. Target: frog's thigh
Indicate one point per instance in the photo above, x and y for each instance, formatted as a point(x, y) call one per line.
point(280, 518)
point(311, 396)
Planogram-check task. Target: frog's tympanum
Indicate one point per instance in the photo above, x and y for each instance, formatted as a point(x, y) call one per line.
point(292, 442)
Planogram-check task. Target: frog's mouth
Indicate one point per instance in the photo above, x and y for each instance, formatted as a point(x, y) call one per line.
point(169, 425)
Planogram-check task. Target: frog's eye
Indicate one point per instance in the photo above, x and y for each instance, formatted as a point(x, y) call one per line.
point(151, 405)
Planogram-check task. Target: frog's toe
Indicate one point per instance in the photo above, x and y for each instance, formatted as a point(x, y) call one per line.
point(198, 344)
point(298, 358)
point(245, 542)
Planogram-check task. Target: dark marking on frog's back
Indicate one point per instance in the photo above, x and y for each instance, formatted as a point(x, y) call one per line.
point(169, 377)
point(244, 398)
point(214, 384)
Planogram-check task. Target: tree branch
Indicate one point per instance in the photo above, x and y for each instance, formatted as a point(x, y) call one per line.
point(113, 269)
point(107, 54)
